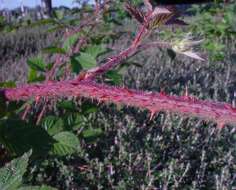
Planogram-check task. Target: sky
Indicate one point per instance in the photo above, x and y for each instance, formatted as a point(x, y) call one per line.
point(11, 4)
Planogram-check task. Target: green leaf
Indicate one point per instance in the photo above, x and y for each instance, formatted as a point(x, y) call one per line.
point(69, 120)
point(98, 38)
point(7, 84)
point(75, 65)
point(11, 175)
point(37, 64)
point(67, 104)
point(114, 77)
point(18, 137)
point(53, 125)
point(67, 143)
point(53, 50)
point(10, 108)
point(72, 120)
point(37, 188)
point(49, 66)
point(88, 108)
point(96, 50)
point(86, 60)
point(79, 119)
point(92, 134)
point(33, 76)
point(70, 41)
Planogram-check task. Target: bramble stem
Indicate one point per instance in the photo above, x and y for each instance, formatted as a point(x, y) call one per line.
point(84, 86)
point(116, 60)
point(221, 113)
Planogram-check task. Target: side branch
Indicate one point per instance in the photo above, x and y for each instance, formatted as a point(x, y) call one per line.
point(116, 60)
point(221, 113)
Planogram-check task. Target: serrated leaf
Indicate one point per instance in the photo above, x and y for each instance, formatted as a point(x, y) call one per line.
point(87, 61)
point(18, 137)
point(9, 108)
point(75, 65)
point(54, 50)
point(137, 14)
point(79, 119)
point(98, 38)
point(95, 50)
point(37, 188)
point(37, 64)
point(52, 124)
point(88, 108)
point(114, 77)
point(49, 66)
point(92, 134)
point(67, 143)
point(11, 175)
point(33, 76)
point(70, 41)
point(67, 104)
point(161, 16)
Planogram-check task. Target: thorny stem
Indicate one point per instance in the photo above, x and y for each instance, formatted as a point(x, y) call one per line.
point(91, 21)
point(26, 111)
point(116, 60)
point(39, 118)
point(142, 32)
point(62, 58)
point(221, 113)
point(111, 63)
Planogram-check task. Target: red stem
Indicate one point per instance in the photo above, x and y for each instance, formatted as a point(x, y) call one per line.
point(221, 113)
point(116, 60)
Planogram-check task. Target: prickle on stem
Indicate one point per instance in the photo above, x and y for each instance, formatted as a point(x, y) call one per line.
point(233, 101)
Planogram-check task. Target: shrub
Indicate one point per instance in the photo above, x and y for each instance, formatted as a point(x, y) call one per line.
point(78, 144)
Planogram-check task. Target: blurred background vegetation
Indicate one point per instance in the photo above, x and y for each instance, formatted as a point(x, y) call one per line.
point(81, 145)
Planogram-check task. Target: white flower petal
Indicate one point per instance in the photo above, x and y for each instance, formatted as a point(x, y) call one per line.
point(194, 43)
point(193, 55)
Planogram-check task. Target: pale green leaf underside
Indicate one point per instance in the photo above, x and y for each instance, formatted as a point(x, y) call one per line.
point(11, 174)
